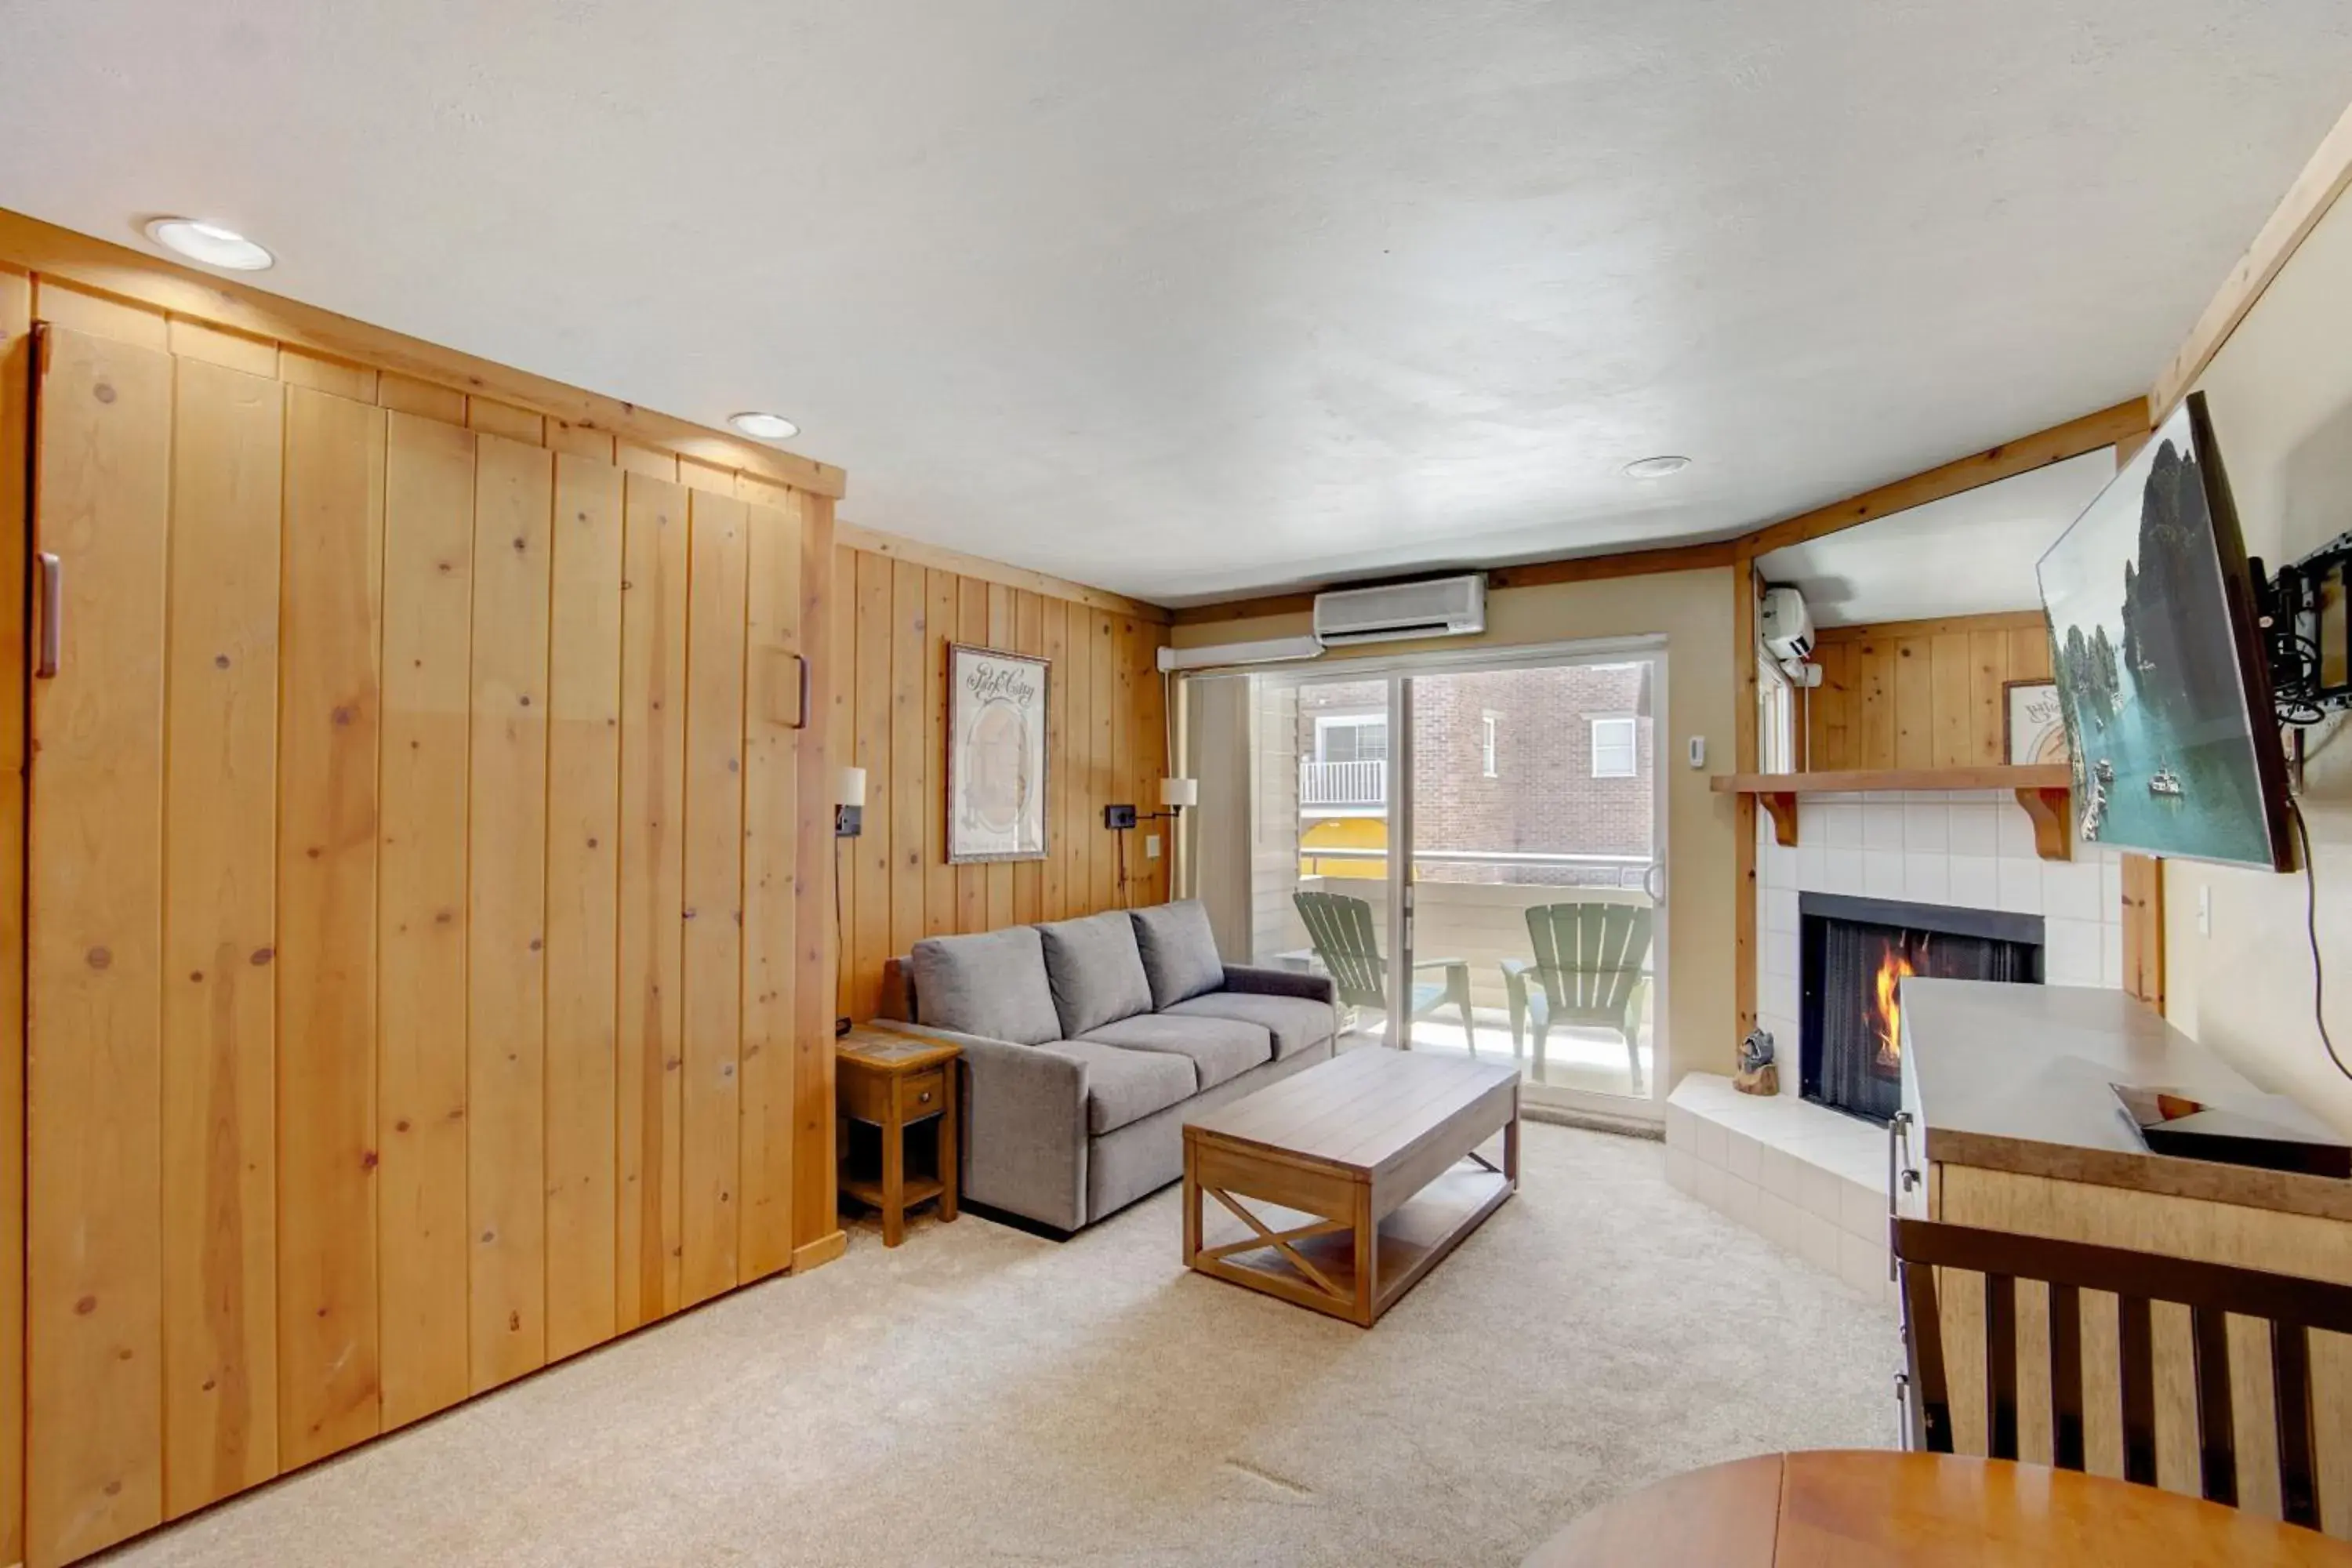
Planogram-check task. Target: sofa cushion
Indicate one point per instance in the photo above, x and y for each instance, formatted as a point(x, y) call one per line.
point(1124, 1085)
point(1179, 950)
point(993, 984)
point(1096, 970)
point(1295, 1022)
point(1219, 1049)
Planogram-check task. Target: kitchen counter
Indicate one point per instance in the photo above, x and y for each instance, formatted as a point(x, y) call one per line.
point(2016, 1077)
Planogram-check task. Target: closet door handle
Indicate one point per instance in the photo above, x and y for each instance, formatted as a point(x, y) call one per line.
point(53, 611)
point(802, 722)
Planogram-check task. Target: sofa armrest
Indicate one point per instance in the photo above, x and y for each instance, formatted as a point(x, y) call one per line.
point(1025, 1126)
point(1282, 983)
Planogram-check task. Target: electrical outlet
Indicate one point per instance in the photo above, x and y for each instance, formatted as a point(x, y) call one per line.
point(2204, 908)
point(1151, 847)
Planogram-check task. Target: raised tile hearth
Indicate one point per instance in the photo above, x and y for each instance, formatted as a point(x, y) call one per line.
point(1806, 1178)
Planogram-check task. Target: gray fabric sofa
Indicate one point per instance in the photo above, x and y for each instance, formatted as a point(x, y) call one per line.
point(1088, 1042)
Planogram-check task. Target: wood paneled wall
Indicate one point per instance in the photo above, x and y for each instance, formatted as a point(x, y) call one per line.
point(1106, 725)
point(1918, 694)
point(429, 957)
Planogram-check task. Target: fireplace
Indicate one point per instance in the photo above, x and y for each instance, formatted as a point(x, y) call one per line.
point(1855, 953)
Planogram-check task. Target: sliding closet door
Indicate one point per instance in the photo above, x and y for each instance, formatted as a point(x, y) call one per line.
point(95, 928)
point(419, 965)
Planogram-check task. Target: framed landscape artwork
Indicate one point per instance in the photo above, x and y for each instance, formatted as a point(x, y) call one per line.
point(996, 755)
point(2033, 726)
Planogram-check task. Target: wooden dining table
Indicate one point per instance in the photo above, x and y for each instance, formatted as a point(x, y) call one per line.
point(1861, 1508)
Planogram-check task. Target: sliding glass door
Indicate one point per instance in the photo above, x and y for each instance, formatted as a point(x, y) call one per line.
point(1475, 852)
point(1533, 869)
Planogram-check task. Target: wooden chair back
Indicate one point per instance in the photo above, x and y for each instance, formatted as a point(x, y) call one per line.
point(2289, 1306)
point(1340, 926)
point(1589, 957)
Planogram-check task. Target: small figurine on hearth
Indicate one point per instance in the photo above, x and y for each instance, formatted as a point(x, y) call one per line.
point(1758, 1073)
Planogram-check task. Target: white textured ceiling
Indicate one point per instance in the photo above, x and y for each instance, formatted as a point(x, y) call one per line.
point(1968, 555)
point(1188, 298)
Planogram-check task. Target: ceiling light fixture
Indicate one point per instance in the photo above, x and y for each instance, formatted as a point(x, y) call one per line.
point(765, 427)
point(1655, 467)
point(209, 245)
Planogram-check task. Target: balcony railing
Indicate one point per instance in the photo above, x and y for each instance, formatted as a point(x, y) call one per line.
point(1346, 786)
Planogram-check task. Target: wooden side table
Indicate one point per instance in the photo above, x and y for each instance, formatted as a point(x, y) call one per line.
point(893, 1081)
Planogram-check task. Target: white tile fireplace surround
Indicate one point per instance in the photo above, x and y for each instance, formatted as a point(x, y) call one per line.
point(1810, 1179)
point(1973, 849)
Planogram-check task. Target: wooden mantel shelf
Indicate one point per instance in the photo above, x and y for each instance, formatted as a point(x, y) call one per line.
point(2045, 792)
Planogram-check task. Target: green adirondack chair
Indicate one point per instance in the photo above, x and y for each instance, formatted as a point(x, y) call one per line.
point(1587, 971)
point(1341, 928)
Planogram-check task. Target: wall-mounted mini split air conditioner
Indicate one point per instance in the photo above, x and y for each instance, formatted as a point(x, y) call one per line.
point(1442, 608)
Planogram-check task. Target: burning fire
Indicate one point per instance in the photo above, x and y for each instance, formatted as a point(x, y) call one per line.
point(1892, 967)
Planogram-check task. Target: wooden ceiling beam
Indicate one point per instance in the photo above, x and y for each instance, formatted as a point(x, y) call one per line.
point(2122, 422)
point(2325, 177)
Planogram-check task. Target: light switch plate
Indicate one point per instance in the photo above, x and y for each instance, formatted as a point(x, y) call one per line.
point(1698, 750)
point(1151, 847)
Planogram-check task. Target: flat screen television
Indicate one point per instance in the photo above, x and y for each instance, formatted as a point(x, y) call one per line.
point(2161, 682)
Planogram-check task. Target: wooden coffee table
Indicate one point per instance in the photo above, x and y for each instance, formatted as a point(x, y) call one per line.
point(1364, 1172)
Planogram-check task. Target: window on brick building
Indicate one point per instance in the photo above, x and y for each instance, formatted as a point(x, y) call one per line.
point(1486, 726)
point(1351, 738)
point(1614, 743)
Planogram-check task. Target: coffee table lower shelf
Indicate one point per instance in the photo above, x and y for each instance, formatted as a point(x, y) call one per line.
point(1407, 1243)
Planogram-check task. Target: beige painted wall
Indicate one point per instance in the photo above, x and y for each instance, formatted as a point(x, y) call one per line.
point(2281, 395)
point(1691, 610)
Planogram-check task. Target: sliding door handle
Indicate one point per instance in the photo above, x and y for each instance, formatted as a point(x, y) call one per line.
point(802, 722)
point(53, 613)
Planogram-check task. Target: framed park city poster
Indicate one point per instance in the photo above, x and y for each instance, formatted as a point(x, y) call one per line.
point(996, 755)
point(2033, 730)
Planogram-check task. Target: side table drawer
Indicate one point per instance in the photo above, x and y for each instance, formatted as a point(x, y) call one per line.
point(923, 1094)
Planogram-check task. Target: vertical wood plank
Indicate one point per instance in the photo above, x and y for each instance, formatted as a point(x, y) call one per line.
point(871, 852)
point(1873, 745)
point(711, 1016)
point(816, 1219)
point(842, 747)
point(1953, 702)
point(1830, 710)
point(999, 880)
point(16, 526)
point(772, 870)
point(971, 630)
point(653, 790)
point(428, 608)
point(1057, 895)
point(1914, 704)
point(220, 826)
point(1102, 766)
point(95, 887)
point(939, 613)
point(2029, 655)
point(1079, 823)
point(506, 958)
point(1988, 670)
point(1153, 758)
point(583, 795)
point(912, 785)
point(330, 623)
point(1029, 637)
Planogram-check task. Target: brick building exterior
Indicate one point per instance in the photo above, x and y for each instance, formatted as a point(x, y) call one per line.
point(1555, 760)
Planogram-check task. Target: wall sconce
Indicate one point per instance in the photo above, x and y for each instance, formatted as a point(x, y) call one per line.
point(848, 802)
point(1175, 794)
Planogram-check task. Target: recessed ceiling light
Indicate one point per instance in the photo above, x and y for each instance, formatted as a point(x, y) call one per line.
point(765, 427)
point(209, 243)
point(1656, 468)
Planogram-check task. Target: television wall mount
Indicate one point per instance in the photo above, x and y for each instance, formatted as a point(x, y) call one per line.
point(2304, 616)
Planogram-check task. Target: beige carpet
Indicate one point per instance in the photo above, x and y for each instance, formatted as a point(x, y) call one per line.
point(980, 1396)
